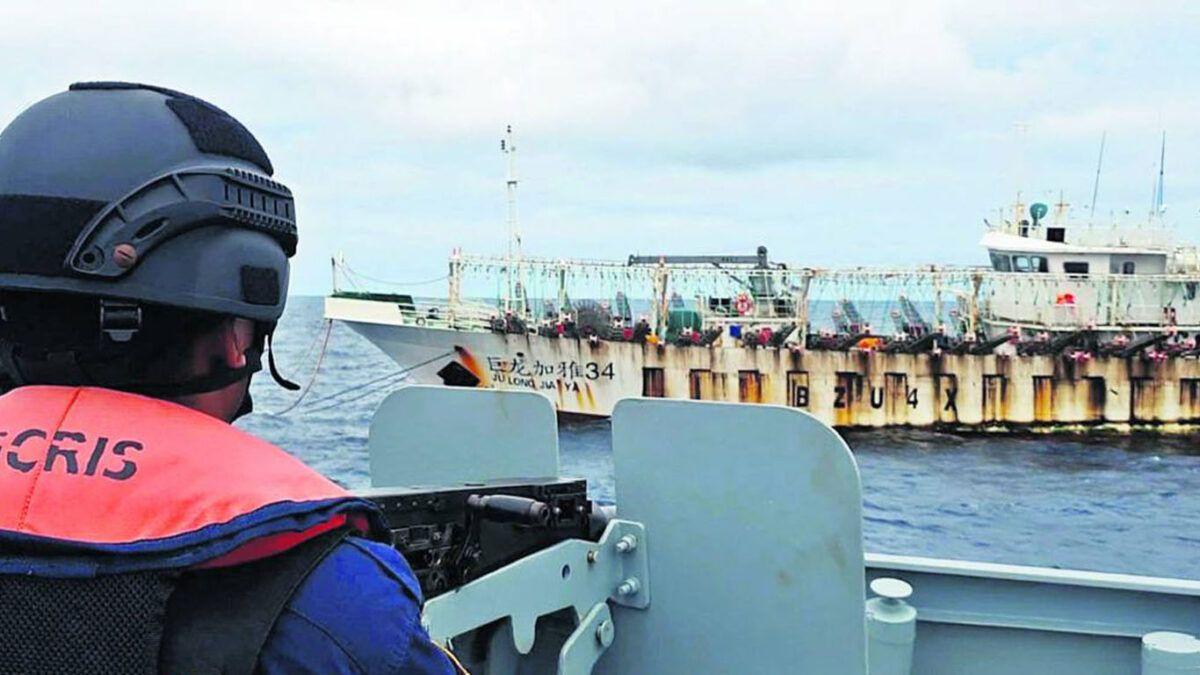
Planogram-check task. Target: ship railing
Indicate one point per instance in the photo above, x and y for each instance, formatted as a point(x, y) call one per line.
point(1185, 260)
point(713, 320)
point(1068, 301)
point(534, 267)
point(470, 315)
point(1000, 322)
point(1175, 277)
point(1062, 318)
point(457, 316)
point(488, 264)
point(1136, 237)
point(1050, 299)
point(1152, 235)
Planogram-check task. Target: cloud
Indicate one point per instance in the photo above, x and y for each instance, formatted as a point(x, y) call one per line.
point(812, 127)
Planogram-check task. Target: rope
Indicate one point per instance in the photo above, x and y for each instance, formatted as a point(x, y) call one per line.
point(316, 368)
point(352, 399)
point(360, 275)
point(304, 360)
point(390, 376)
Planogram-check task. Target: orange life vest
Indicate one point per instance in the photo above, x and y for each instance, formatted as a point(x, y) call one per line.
point(140, 483)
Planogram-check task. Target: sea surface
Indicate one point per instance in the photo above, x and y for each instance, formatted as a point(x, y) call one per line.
point(1108, 503)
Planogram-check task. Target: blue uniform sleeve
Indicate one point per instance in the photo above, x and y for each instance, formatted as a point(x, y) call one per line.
point(359, 611)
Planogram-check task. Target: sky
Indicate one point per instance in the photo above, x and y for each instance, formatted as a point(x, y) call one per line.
point(834, 133)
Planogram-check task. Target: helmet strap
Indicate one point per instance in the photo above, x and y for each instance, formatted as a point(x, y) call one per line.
point(219, 376)
point(66, 368)
point(279, 379)
point(71, 368)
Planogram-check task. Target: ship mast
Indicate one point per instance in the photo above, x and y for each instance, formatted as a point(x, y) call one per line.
point(1096, 184)
point(513, 301)
point(1156, 204)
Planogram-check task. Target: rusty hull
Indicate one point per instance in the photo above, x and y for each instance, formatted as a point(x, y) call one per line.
point(874, 389)
point(848, 388)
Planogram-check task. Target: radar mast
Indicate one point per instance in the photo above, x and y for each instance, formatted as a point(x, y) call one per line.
point(514, 296)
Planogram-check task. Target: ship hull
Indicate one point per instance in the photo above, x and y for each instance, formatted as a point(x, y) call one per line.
point(842, 388)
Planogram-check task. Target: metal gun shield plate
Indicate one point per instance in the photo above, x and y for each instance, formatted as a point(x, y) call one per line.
point(576, 573)
point(430, 435)
point(756, 519)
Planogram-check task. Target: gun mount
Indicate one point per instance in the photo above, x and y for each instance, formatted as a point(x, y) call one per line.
point(742, 579)
point(450, 536)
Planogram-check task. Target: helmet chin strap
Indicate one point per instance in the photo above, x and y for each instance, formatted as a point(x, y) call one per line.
point(66, 368)
point(247, 405)
point(220, 376)
point(279, 379)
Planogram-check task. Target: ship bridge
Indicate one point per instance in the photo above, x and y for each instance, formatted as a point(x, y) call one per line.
point(1026, 244)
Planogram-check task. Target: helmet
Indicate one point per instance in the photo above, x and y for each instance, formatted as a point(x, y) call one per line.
point(137, 196)
point(139, 193)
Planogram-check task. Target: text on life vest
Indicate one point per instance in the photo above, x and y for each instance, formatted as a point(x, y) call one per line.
point(68, 452)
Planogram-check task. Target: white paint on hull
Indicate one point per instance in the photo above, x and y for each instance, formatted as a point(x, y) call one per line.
point(842, 388)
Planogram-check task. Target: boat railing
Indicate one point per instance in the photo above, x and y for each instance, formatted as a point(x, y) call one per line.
point(1150, 235)
point(1185, 260)
point(1124, 237)
point(954, 297)
point(749, 320)
point(1056, 301)
point(468, 315)
point(456, 316)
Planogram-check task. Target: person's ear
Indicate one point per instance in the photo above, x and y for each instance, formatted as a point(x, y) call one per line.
point(234, 343)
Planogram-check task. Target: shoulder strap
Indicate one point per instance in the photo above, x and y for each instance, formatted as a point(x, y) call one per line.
point(218, 620)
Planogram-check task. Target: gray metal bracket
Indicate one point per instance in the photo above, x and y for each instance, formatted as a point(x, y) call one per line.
point(579, 574)
point(591, 638)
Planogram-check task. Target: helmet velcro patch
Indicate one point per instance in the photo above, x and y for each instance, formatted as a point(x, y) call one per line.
point(260, 285)
point(37, 231)
point(214, 131)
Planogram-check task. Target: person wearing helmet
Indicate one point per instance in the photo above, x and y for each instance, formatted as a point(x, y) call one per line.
point(144, 255)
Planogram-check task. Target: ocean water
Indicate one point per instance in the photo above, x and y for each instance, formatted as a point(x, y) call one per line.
point(1108, 503)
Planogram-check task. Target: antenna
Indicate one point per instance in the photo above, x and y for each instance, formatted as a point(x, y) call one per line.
point(1157, 205)
point(1096, 185)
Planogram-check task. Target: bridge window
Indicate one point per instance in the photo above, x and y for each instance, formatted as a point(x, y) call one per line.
point(1075, 268)
point(760, 285)
point(1001, 262)
point(721, 306)
point(1030, 263)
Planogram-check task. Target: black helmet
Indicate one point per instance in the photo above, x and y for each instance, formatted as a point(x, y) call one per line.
point(140, 196)
point(113, 190)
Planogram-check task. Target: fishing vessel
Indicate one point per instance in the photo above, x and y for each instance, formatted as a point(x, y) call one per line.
point(1074, 322)
point(1070, 324)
